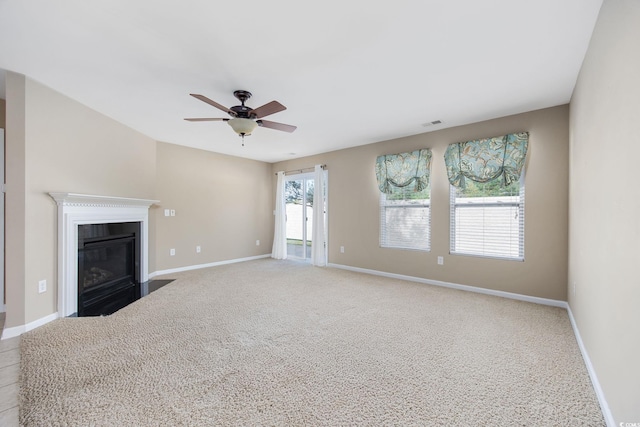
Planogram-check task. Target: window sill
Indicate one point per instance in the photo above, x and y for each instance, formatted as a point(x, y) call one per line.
point(497, 257)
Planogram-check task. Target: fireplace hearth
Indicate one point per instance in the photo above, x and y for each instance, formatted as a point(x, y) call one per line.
point(108, 267)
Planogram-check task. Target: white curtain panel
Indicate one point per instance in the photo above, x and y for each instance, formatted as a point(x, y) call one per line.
point(279, 250)
point(318, 233)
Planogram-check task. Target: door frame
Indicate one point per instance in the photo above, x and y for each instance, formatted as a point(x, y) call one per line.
point(311, 175)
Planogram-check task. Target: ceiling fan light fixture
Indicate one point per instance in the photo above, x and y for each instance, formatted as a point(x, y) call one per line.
point(242, 126)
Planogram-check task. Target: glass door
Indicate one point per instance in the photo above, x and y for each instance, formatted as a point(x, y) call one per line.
point(299, 208)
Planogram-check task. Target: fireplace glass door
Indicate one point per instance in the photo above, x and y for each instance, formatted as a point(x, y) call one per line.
point(108, 258)
point(106, 263)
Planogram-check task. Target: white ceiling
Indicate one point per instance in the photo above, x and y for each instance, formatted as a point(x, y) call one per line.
point(350, 72)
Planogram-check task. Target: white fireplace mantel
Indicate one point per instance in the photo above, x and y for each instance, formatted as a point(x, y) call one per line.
point(75, 209)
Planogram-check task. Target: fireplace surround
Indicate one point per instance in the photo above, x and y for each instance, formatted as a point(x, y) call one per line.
point(76, 209)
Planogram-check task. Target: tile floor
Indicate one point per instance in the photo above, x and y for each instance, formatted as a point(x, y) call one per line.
point(9, 371)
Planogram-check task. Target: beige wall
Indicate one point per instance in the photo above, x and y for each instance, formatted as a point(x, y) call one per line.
point(3, 112)
point(354, 198)
point(56, 144)
point(604, 226)
point(15, 195)
point(222, 204)
point(2, 126)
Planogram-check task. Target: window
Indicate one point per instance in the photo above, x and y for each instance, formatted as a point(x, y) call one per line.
point(405, 218)
point(487, 219)
point(487, 196)
point(405, 211)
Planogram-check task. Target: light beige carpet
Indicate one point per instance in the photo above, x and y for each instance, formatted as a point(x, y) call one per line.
point(283, 343)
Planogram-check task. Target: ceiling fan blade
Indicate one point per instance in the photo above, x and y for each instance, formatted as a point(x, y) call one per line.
point(276, 126)
point(213, 103)
point(267, 109)
point(204, 119)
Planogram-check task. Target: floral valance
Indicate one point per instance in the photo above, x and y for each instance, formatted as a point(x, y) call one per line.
point(485, 159)
point(401, 170)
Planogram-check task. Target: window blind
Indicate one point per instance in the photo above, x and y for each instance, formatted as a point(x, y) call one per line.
point(405, 219)
point(487, 220)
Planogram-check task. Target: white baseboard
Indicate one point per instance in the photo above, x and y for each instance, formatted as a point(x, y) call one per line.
point(510, 295)
point(199, 266)
point(604, 406)
point(19, 330)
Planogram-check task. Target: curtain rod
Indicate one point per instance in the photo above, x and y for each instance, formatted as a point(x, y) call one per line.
point(324, 167)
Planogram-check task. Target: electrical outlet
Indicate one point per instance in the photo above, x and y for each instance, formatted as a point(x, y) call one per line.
point(198, 249)
point(257, 242)
point(440, 260)
point(173, 212)
point(172, 252)
point(341, 249)
point(42, 286)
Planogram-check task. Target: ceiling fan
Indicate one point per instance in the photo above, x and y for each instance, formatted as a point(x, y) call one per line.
point(245, 119)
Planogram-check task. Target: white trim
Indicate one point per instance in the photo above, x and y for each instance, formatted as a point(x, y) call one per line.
point(503, 294)
point(19, 330)
point(604, 406)
point(90, 200)
point(75, 209)
point(199, 266)
point(297, 176)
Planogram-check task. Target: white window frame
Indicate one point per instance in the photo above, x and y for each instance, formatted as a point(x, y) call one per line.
point(487, 204)
point(384, 205)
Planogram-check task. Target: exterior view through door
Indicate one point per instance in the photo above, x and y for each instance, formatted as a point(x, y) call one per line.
point(298, 193)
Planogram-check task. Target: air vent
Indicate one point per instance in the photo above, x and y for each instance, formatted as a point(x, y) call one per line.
point(433, 123)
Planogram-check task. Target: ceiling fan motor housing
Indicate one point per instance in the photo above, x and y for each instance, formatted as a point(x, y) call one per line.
point(242, 111)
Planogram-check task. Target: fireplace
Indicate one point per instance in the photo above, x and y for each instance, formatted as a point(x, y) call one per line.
point(74, 212)
point(108, 267)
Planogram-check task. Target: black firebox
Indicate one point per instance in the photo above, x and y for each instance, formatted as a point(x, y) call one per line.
point(108, 267)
